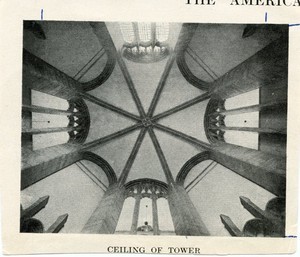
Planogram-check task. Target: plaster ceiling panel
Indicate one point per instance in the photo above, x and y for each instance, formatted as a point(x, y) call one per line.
point(116, 152)
point(146, 164)
point(68, 47)
point(176, 151)
point(105, 122)
point(221, 46)
point(188, 121)
point(176, 91)
point(116, 92)
point(145, 77)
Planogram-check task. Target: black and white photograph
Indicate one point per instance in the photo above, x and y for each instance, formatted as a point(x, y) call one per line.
point(154, 128)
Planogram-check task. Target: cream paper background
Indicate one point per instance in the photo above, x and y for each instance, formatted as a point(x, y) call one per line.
point(12, 14)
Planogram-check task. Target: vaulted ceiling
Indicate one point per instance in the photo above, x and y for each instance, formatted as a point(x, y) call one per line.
point(214, 49)
point(69, 46)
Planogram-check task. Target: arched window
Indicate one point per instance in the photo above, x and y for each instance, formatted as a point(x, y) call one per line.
point(124, 222)
point(50, 120)
point(165, 222)
point(162, 31)
point(127, 32)
point(144, 31)
point(242, 120)
point(234, 120)
point(144, 41)
point(145, 210)
point(43, 121)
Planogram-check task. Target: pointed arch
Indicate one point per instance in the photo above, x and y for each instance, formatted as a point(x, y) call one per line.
point(186, 34)
point(191, 163)
point(103, 164)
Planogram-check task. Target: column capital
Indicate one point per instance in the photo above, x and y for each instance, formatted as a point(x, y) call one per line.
point(137, 196)
point(154, 196)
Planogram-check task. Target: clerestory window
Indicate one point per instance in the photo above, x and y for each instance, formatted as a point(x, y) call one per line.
point(144, 41)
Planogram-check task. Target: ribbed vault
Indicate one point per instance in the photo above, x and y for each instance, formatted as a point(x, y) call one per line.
point(151, 123)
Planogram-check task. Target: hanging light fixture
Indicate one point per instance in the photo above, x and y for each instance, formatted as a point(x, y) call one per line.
point(146, 227)
point(145, 42)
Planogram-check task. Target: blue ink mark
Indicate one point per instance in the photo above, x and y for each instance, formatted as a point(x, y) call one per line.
point(42, 14)
point(293, 25)
point(291, 236)
point(266, 16)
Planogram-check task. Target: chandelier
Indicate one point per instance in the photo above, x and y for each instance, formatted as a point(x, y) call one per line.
point(145, 42)
point(146, 227)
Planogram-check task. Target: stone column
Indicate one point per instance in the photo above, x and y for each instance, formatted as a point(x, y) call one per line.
point(186, 219)
point(263, 169)
point(135, 216)
point(155, 215)
point(42, 163)
point(36, 131)
point(26, 120)
point(43, 77)
point(105, 218)
point(40, 109)
point(267, 68)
